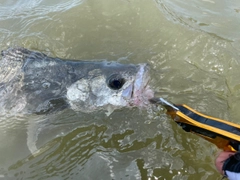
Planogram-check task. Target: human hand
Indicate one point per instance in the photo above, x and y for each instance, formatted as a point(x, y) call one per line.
point(221, 159)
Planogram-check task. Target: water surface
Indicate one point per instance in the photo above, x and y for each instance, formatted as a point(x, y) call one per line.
point(192, 48)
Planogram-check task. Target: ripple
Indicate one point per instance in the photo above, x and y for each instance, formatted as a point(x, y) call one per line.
point(215, 17)
point(23, 8)
point(62, 157)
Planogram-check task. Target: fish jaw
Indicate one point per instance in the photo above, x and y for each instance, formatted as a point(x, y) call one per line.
point(139, 92)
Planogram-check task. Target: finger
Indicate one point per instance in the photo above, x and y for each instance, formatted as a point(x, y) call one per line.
point(221, 159)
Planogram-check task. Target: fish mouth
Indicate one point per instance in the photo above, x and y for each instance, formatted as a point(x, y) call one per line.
point(141, 92)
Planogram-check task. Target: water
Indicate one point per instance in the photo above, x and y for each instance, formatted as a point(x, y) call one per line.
point(192, 48)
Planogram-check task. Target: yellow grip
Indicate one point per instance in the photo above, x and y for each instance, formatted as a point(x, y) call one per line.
point(222, 133)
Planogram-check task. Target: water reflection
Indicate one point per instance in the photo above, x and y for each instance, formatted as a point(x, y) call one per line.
point(62, 157)
point(120, 149)
point(21, 9)
point(214, 17)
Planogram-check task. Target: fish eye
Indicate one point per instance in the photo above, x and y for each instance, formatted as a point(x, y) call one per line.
point(115, 81)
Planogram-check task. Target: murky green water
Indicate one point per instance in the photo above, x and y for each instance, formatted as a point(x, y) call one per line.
point(193, 50)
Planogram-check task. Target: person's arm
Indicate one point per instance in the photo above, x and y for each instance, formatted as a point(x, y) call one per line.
point(228, 164)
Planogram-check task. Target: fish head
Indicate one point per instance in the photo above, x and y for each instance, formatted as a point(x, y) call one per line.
point(110, 86)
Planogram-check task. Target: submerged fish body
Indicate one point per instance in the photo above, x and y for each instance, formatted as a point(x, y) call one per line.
point(32, 82)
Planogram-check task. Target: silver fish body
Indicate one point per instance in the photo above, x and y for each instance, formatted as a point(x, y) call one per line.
point(32, 82)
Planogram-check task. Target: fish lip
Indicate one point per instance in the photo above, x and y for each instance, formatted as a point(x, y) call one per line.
point(141, 92)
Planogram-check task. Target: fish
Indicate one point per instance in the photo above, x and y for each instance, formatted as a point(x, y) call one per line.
point(32, 82)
